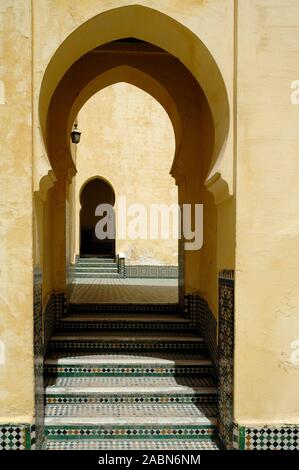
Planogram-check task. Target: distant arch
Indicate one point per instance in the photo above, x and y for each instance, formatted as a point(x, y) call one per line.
point(96, 190)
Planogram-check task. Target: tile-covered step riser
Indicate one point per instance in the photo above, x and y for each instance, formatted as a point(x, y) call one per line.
point(89, 370)
point(131, 326)
point(90, 275)
point(107, 262)
point(95, 266)
point(131, 432)
point(149, 413)
point(123, 308)
point(95, 346)
point(123, 398)
point(127, 444)
point(99, 269)
point(95, 260)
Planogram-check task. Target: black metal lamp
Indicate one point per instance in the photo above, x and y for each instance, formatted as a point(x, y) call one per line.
point(75, 135)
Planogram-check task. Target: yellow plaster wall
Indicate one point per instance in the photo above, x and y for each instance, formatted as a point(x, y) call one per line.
point(127, 138)
point(16, 200)
point(267, 250)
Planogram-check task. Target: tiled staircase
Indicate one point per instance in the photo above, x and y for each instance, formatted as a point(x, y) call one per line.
point(129, 377)
point(100, 267)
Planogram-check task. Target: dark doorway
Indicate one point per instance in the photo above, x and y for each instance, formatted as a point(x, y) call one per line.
point(96, 191)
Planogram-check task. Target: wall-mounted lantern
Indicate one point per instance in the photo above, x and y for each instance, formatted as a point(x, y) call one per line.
point(75, 135)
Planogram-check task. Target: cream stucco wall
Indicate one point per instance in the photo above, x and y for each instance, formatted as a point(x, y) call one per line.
point(127, 138)
point(267, 256)
point(16, 246)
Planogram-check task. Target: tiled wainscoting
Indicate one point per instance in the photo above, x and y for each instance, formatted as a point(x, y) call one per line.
point(17, 437)
point(284, 437)
point(204, 321)
point(226, 356)
point(44, 322)
point(147, 271)
point(38, 368)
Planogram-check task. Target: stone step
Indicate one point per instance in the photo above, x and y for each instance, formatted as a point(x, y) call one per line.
point(124, 340)
point(125, 321)
point(114, 308)
point(91, 275)
point(96, 259)
point(127, 317)
point(130, 390)
point(131, 384)
point(98, 269)
point(105, 365)
point(131, 444)
point(145, 427)
point(129, 411)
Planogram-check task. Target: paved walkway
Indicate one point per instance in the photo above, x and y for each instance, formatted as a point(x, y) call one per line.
point(125, 291)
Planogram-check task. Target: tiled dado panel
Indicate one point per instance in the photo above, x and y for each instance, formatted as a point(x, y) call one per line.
point(147, 271)
point(17, 437)
point(25, 436)
point(197, 309)
point(55, 310)
point(70, 278)
point(284, 437)
point(121, 265)
point(226, 356)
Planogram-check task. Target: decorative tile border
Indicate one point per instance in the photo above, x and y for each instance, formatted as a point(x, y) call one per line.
point(153, 398)
point(17, 437)
point(70, 370)
point(226, 357)
point(285, 437)
point(148, 271)
point(130, 432)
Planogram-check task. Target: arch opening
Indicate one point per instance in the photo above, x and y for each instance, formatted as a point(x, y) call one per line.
point(184, 101)
point(94, 192)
